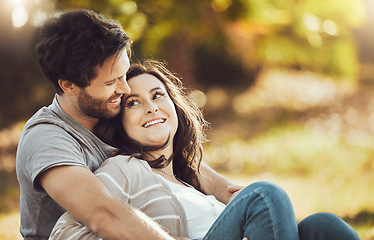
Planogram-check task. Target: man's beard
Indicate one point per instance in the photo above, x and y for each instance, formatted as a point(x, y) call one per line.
point(96, 108)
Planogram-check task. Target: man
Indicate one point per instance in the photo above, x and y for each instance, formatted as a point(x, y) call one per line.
point(85, 57)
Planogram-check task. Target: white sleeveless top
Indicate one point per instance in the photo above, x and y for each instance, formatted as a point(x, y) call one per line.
point(201, 210)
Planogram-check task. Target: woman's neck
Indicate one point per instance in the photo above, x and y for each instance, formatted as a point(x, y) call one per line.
point(168, 170)
point(167, 151)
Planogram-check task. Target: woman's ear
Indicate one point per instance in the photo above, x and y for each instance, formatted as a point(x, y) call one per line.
point(68, 87)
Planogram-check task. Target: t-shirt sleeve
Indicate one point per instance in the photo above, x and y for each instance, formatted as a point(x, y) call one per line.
point(46, 146)
point(112, 174)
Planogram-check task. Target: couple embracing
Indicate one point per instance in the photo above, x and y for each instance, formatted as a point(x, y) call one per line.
point(118, 153)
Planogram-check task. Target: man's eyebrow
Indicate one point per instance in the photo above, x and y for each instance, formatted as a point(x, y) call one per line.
point(114, 79)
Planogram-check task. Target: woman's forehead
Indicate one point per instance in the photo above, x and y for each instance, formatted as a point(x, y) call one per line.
point(144, 81)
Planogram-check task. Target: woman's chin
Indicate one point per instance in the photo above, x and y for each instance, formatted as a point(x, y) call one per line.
point(157, 141)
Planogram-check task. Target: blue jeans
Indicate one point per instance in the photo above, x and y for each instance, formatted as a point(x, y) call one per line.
point(263, 211)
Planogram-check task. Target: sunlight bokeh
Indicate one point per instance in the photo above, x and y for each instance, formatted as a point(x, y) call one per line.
point(19, 16)
point(287, 88)
point(22, 12)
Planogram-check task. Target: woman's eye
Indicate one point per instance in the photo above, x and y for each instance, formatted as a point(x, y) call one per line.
point(132, 103)
point(158, 95)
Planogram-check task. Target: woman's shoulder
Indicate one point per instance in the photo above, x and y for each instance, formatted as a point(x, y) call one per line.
point(126, 173)
point(125, 163)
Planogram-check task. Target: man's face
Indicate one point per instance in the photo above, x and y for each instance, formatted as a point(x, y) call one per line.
point(102, 98)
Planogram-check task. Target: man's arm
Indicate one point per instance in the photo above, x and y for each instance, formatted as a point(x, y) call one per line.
point(215, 184)
point(78, 191)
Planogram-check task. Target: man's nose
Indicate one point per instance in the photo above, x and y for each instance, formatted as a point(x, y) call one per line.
point(122, 86)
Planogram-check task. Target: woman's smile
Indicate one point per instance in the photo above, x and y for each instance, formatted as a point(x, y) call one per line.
point(153, 122)
point(149, 115)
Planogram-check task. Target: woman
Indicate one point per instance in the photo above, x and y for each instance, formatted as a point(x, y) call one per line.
point(161, 134)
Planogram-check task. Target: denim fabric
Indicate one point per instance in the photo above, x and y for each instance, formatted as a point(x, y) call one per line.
point(326, 226)
point(263, 211)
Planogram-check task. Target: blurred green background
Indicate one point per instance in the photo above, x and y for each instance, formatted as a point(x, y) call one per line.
point(286, 85)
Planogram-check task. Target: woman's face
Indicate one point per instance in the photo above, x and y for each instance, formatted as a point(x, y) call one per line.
point(149, 115)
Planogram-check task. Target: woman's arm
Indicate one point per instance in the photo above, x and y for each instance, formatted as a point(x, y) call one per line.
point(217, 185)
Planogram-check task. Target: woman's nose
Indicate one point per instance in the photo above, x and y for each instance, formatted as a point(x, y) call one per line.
point(152, 109)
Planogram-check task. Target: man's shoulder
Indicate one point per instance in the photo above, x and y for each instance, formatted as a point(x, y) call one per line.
point(43, 125)
point(45, 116)
point(51, 122)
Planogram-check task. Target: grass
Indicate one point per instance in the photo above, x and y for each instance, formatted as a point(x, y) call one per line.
point(312, 195)
point(321, 171)
point(307, 195)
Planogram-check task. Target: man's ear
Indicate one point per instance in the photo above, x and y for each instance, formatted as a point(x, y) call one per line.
point(68, 87)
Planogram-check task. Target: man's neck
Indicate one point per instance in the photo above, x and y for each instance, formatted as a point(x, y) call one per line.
point(71, 108)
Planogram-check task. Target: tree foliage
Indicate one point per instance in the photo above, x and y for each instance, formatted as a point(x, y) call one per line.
point(221, 43)
point(200, 37)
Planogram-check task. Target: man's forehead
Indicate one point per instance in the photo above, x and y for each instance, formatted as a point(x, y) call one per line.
point(113, 67)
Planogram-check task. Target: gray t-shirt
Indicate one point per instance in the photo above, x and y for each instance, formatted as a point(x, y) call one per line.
point(51, 138)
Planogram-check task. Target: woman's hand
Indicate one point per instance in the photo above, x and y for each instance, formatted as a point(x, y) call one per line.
point(234, 189)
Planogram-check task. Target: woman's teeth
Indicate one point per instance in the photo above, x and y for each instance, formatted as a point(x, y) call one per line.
point(153, 122)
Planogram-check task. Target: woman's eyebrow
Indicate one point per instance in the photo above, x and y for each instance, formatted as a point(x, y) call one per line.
point(154, 89)
point(137, 95)
point(129, 96)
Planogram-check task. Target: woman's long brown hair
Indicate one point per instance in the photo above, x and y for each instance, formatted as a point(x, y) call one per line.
point(187, 144)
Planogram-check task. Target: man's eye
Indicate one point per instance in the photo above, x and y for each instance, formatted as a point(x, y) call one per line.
point(110, 83)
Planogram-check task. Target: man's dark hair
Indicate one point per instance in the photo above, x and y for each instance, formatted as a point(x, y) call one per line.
point(74, 43)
